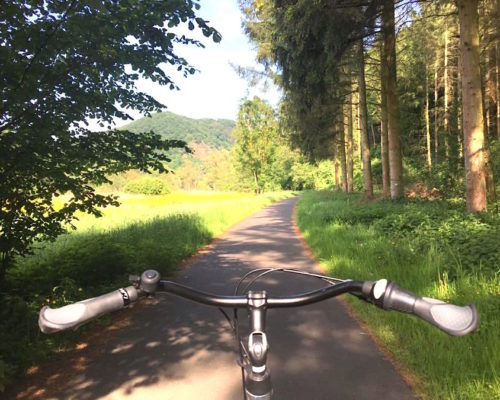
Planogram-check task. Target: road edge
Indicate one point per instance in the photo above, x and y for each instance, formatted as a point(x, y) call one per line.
point(403, 371)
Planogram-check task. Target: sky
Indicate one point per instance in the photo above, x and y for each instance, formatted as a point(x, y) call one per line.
point(216, 90)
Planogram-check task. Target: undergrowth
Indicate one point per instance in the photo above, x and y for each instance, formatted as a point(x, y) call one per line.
point(435, 249)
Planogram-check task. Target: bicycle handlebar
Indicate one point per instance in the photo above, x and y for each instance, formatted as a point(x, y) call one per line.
point(241, 301)
point(76, 314)
point(452, 319)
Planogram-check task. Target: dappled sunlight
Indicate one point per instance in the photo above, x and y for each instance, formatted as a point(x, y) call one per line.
point(177, 349)
point(121, 348)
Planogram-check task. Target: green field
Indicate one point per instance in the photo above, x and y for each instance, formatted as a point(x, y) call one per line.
point(144, 232)
point(434, 249)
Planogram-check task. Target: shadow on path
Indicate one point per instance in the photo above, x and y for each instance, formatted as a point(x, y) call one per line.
point(176, 349)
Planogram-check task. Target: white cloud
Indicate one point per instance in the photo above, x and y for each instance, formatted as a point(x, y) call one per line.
point(215, 91)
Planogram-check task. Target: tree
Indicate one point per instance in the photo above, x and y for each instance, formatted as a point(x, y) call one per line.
point(305, 41)
point(384, 138)
point(394, 135)
point(350, 141)
point(342, 149)
point(63, 62)
point(475, 178)
point(363, 119)
point(256, 135)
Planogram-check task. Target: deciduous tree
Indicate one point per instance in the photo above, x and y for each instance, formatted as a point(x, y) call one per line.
point(62, 63)
point(256, 135)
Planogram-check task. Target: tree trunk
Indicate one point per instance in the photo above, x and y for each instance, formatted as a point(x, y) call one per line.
point(341, 144)
point(363, 122)
point(486, 94)
point(4, 265)
point(427, 123)
point(358, 126)
point(350, 149)
point(395, 153)
point(491, 190)
point(475, 179)
point(374, 140)
point(384, 140)
point(494, 70)
point(446, 104)
point(336, 164)
point(436, 110)
point(497, 73)
point(460, 137)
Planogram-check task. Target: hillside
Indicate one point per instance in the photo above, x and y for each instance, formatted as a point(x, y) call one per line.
point(216, 133)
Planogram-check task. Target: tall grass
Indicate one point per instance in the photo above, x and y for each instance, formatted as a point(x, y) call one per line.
point(144, 232)
point(352, 240)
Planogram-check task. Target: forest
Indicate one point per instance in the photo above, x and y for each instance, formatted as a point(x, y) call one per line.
point(411, 87)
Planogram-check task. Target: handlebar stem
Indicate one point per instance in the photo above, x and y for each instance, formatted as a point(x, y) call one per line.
point(258, 379)
point(257, 307)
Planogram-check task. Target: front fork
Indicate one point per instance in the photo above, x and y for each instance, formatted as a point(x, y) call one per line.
point(257, 379)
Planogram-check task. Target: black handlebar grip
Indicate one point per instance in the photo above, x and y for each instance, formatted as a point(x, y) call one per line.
point(76, 314)
point(452, 319)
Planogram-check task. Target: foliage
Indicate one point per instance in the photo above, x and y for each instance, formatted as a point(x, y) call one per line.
point(61, 64)
point(221, 172)
point(433, 249)
point(305, 43)
point(256, 136)
point(145, 232)
point(495, 157)
point(264, 158)
point(146, 185)
point(214, 132)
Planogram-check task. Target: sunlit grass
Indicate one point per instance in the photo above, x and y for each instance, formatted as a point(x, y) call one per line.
point(144, 232)
point(139, 207)
point(444, 367)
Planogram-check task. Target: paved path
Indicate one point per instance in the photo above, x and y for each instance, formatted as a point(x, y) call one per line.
point(177, 349)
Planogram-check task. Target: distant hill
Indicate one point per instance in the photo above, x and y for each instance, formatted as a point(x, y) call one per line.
point(216, 133)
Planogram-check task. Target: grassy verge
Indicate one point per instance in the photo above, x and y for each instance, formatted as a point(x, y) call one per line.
point(435, 249)
point(144, 232)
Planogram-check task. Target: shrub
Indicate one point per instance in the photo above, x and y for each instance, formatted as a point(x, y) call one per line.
point(146, 185)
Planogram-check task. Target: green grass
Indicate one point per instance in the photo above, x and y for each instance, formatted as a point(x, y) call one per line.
point(432, 249)
point(144, 232)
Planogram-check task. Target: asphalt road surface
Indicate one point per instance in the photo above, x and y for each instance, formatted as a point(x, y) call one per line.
point(177, 349)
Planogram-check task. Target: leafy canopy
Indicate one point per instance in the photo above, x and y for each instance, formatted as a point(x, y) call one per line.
point(256, 135)
point(61, 63)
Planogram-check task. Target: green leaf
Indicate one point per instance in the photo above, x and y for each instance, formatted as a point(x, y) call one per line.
point(217, 37)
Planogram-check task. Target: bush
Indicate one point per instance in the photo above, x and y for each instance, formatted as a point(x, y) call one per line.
point(146, 185)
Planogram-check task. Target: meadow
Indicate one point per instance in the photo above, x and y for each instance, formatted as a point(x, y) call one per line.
point(435, 249)
point(98, 256)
